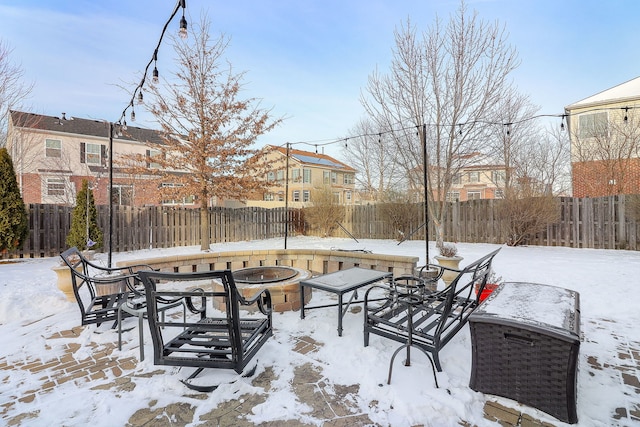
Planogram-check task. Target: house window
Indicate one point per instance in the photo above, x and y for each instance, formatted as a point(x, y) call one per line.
point(151, 154)
point(53, 148)
point(453, 196)
point(280, 175)
point(347, 196)
point(336, 197)
point(281, 196)
point(326, 175)
point(498, 176)
point(188, 200)
point(306, 176)
point(122, 195)
point(499, 194)
point(334, 177)
point(474, 195)
point(592, 125)
point(268, 197)
point(457, 179)
point(55, 186)
point(295, 175)
point(348, 178)
point(474, 176)
point(306, 196)
point(296, 196)
point(92, 154)
point(271, 176)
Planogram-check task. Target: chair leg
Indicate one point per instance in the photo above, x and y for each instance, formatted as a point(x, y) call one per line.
point(141, 332)
point(119, 328)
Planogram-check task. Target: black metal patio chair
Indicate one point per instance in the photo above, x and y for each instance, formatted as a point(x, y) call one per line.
point(218, 333)
point(416, 315)
point(108, 294)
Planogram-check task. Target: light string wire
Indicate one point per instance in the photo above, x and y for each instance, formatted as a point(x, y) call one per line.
point(154, 58)
point(562, 117)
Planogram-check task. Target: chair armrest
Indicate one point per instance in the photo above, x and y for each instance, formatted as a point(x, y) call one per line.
point(203, 302)
point(262, 298)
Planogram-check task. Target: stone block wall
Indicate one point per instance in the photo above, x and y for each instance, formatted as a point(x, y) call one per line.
point(285, 297)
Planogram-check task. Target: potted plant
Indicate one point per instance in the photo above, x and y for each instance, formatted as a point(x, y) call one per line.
point(449, 258)
point(493, 281)
point(64, 281)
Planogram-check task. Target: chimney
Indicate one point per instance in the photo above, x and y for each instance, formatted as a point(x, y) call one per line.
point(63, 116)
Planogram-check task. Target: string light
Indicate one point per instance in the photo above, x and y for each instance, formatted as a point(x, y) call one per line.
point(154, 58)
point(183, 22)
point(154, 78)
point(508, 126)
point(133, 115)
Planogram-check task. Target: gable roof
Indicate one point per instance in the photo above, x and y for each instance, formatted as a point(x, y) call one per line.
point(629, 90)
point(315, 159)
point(79, 126)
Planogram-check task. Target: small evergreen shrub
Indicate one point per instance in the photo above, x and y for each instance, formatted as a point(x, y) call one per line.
point(14, 222)
point(82, 231)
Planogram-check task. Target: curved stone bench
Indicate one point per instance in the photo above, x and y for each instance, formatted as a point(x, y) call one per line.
point(286, 296)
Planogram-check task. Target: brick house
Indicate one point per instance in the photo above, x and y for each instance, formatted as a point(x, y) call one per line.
point(605, 141)
point(52, 155)
point(307, 171)
point(478, 177)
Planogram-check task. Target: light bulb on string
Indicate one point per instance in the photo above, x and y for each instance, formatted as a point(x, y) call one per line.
point(562, 122)
point(154, 78)
point(124, 125)
point(140, 97)
point(183, 22)
point(133, 115)
point(183, 27)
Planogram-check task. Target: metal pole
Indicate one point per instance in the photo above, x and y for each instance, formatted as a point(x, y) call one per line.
point(426, 192)
point(286, 199)
point(110, 194)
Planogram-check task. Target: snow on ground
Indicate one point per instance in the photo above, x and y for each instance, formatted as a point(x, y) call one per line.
point(31, 307)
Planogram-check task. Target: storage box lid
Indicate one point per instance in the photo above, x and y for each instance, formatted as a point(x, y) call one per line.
point(533, 306)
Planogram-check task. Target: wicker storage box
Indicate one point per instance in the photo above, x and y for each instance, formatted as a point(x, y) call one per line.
point(525, 343)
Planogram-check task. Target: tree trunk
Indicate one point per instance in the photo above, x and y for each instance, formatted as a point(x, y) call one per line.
point(204, 226)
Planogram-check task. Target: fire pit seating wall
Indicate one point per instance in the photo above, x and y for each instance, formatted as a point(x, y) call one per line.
point(285, 296)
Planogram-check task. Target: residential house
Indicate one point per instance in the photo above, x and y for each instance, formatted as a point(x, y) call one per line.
point(52, 155)
point(306, 171)
point(605, 141)
point(478, 176)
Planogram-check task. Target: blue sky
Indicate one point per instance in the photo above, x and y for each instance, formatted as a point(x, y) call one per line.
point(308, 59)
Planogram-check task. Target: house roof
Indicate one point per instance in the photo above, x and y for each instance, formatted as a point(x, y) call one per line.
point(629, 90)
point(78, 126)
point(315, 159)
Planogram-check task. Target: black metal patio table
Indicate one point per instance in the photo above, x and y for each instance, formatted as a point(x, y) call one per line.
point(339, 283)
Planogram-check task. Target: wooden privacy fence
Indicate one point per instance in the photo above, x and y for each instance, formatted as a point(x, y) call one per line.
point(605, 223)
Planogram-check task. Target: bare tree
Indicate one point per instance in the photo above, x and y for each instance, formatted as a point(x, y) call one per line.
point(30, 154)
point(326, 212)
point(446, 84)
point(13, 90)
point(605, 152)
point(209, 128)
point(368, 151)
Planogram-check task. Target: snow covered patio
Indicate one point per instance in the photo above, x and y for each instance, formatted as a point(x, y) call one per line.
point(56, 372)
